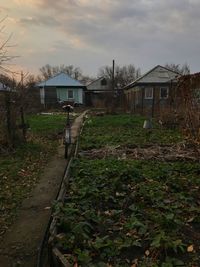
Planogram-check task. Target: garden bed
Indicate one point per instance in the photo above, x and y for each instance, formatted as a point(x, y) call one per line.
point(177, 152)
point(123, 210)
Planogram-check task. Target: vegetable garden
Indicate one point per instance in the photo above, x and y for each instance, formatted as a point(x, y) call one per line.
point(125, 208)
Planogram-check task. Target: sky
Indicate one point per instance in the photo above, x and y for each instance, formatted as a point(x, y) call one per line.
point(91, 33)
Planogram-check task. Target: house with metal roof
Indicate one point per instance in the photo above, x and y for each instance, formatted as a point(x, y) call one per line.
point(61, 88)
point(152, 91)
point(99, 85)
point(98, 91)
point(4, 88)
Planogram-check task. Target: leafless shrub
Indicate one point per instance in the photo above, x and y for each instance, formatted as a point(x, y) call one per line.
point(189, 88)
point(185, 111)
point(9, 132)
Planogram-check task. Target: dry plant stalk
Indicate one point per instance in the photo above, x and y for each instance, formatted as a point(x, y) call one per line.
point(189, 91)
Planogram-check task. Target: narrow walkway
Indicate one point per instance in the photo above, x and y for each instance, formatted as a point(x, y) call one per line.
point(21, 242)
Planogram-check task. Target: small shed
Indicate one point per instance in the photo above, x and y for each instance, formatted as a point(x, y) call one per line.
point(98, 92)
point(61, 88)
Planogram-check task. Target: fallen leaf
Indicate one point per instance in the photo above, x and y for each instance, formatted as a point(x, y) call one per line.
point(147, 253)
point(191, 219)
point(60, 236)
point(47, 208)
point(134, 263)
point(190, 248)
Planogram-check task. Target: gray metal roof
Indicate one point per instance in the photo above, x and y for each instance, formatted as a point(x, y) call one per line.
point(61, 79)
point(158, 75)
point(99, 78)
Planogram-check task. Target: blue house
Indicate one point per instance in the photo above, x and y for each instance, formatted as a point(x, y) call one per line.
point(61, 88)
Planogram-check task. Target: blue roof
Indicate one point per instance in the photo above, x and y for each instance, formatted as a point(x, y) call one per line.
point(61, 79)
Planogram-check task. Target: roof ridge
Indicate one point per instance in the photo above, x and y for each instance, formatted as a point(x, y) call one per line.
point(61, 79)
point(145, 74)
point(96, 80)
point(141, 76)
point(170, 69)
point(57, 74)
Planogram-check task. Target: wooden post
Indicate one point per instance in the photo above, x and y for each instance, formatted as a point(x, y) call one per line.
point(142, 103)
point(134, 95)
point(23, 124)
point(22, 79)
point(113, 75)
point(8, 118)
point(153, 103)
point(112, 95)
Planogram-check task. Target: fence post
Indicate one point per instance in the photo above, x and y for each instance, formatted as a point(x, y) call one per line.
point(8, 119)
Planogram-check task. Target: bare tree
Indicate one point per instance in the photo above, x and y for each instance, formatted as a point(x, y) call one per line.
point(49, 71)
point(29, 95)
point(5, 56)
point(85, 79)
point(184, 69)
point(13, 97)
point(123, 75)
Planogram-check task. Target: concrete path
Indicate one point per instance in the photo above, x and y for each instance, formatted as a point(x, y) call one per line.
point(20, 245)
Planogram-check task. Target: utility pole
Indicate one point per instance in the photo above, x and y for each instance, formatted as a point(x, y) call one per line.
point(153, 103)
point(23, 124)
point(22, 80)
point(113, 75)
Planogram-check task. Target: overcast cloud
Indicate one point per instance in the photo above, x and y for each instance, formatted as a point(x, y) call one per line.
point(90, 34)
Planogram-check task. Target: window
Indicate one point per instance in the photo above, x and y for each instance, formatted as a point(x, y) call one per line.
point(164, 92)
point(148, 93)
point(70, 94)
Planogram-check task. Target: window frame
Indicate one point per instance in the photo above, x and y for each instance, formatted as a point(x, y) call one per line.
point(70, 91)
point(164, 87)
point(145, 93)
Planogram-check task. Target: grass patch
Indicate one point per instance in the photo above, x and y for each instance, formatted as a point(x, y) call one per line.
point(45, 125)
point(126, 130)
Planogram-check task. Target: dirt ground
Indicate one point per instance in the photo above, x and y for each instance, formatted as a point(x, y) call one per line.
point(20, 245)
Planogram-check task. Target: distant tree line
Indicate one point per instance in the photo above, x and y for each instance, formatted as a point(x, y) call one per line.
point(123, 74)
point(49, 71)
